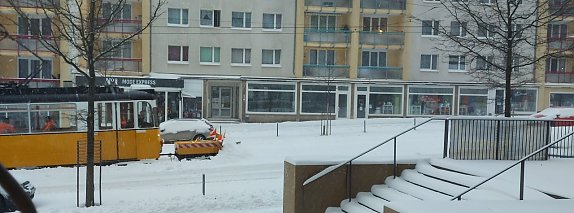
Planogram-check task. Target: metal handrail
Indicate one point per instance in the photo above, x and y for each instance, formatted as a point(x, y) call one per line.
point(332, 168)
point(521, 161)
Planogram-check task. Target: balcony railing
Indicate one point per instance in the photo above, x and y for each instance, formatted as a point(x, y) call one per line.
point(559, 77)
point(382, 38)
point(560, 43)
point(380, 72)
point(123, 25)
point(327, 36)
point(326, 71)
point(562, 9)
point(328, 3)
point(120, 64)
point(30, 3)
point(34, 83)
point(32, 42)
point(384, 4)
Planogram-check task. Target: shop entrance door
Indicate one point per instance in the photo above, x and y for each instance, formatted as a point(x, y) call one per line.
point(221, 99)
point(361, 106)
point(342, 108)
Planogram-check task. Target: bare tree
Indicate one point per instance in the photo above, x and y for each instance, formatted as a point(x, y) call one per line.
point(503, 41)
point(73, 31)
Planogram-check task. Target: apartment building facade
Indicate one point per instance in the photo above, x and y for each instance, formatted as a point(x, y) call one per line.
point(223, 50)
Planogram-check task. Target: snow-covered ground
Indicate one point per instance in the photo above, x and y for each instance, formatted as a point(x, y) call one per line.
point(247, 175)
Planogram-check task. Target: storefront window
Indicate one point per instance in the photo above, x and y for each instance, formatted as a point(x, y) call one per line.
point(523, 101)
point(192, 107)
point(318, 99)
point(173, 99)
point(16, 116)
point(385, 100)
point(473, 101)
point(271, 98)
point(561, 100)
point(161, 106)
point(430, 101)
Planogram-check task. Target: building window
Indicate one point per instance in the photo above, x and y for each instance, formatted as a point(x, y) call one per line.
point(35, 26)
point(473, 101)
point(458, 28)
point(209, 55)
point(517, 30)
point(178, 54)
point(486, 30)
point(430, 28)
point(271, 57)
point(484, 63)
point(385, 100)
point(271, 98)
point(430, 101)
point(241, 19)
point(456, 63)
point(557, 30)
point(322, 57)
point(323, 22)
point(240, 56)
point(429, 62)
point(122, 51)
point(210, 18)
point(561, 100)
point(556, 65)
point(374, 24)
point(374, 59)
point(124, 14)
point(523, 101)
point(271, 21)
point(318, 99)
point(177, 17)
point(487, 1)
point(27, 67)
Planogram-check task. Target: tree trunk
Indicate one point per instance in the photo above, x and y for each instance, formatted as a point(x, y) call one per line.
point(91, 94)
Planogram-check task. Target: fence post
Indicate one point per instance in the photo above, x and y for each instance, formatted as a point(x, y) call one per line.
point(277, 129)
point(349, 180)
point(445, 145)
point(203, 184)
point(395, 158)
point(364, 125)
point(522, 180)
point(497, 139)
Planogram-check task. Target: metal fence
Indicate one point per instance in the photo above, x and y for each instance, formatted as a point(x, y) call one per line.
point(506, 139)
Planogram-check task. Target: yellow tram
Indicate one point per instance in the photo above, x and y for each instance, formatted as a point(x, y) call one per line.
point(43, 126)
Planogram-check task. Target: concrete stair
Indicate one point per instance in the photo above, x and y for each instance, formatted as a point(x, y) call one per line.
point(432, 180)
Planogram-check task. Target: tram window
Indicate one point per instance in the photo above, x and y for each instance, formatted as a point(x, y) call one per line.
point(14, 119)
point(53, 117)
point(105, 116)
point(127, 114)
point(145, 115)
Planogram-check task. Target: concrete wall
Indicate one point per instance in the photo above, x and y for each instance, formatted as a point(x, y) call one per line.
point(331, 189)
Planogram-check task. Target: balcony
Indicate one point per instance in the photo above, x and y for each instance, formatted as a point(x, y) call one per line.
point(123, 26)
point(561, 43)
point(384, 4)
point(382, 38)
point(559, 77)
point(327, 36)
point(120, 64)
point(326, 71)
point(380, 72)
point(336, 6)
point(30, 3)
point(566, 9)
point(32, 42)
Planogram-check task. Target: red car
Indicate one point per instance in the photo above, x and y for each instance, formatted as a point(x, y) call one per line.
point(562, 116)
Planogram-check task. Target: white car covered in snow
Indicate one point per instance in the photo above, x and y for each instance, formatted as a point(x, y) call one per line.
point(184, 129)
point(562, 116)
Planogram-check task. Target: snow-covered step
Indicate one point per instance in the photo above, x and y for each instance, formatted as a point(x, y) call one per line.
point(510, 188)
point(371, 201)
point(414, 190)
point(354, 207)
point(390, 194)
point(454, 177)
point(451, 189)
point(334, 210)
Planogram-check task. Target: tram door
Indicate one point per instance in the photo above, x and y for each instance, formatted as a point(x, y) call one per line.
point(126, 137)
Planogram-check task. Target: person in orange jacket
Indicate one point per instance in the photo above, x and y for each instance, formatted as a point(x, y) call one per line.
point(49, 124)
point(6, 127)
